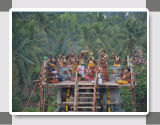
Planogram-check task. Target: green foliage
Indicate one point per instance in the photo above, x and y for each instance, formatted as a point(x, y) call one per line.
point(31, 109)
point(51, 107)
point(16, 104)
point(141, 90)
point(126, 99)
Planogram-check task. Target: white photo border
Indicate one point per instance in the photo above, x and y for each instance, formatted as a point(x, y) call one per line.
point(74, 10)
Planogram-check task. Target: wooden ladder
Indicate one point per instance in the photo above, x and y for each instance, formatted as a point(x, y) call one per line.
point(85, 96)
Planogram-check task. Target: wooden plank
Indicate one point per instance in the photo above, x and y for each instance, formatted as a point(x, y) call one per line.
point(85, 103)
point(86, 107)
point(67, 103)
point(86, 83)
point(85, 97)
point(86, 93)
point(85, 87)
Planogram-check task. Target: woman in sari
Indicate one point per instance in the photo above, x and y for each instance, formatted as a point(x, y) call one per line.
point(104, 64)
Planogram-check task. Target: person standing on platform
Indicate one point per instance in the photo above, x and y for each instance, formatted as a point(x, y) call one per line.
point(117, 59)
point(81, 59)
point(104, 64)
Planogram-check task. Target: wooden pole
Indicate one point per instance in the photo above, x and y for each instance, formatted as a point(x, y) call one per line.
point(41, 98)
point(94, 94)
point(76, 93)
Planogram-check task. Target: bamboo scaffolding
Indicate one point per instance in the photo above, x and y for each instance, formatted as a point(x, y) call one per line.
point(73, 84)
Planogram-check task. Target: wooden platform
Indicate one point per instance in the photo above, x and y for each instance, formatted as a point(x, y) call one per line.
point(72, 83)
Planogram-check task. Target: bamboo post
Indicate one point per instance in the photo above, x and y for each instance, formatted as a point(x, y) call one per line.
point(94, 94)
point(128, 60)
point(133, 87)
point(46, 102)
point(41, 98)
point(42, 87)
point(76, 93)
point(44, 78)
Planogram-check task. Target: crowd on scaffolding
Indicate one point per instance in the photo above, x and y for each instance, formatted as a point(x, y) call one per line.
point(76, 63)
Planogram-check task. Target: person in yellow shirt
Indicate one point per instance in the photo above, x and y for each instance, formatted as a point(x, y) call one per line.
point(91, 64)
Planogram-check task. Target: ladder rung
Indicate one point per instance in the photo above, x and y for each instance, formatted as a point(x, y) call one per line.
point(69, 103)
point(87, 97)
point(81, 97)
point(85, 87)
point(85, 103)
point(85, 111)
point(87, 93)
point(86, 107)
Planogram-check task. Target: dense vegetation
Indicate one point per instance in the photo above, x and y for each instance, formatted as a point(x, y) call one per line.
point(36, 34)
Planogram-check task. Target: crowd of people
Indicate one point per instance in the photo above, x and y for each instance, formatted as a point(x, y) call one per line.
point(76, 63)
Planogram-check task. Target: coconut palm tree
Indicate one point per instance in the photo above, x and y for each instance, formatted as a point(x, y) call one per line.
point(26, 48)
